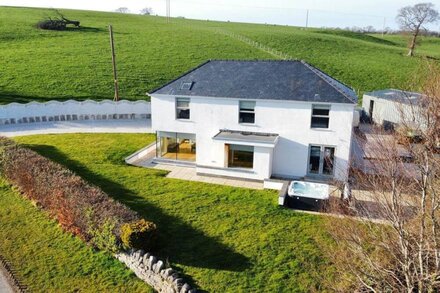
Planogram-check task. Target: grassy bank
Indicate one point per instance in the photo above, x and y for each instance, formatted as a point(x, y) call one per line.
point(42, 65)
point(224, 238)
point(49, 260)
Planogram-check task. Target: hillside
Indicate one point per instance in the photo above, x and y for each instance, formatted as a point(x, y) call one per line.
point(43, 65)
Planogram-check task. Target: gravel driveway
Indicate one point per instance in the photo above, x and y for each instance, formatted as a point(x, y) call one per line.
point(5, 287)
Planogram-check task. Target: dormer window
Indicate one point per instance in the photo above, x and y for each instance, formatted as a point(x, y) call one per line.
point(186, 86)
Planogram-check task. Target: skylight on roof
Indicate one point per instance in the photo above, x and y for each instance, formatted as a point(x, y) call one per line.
point(186, 86)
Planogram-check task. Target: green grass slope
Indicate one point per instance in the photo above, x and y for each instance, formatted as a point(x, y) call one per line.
point(224, 239)
point(43, 65)
point(49, 260)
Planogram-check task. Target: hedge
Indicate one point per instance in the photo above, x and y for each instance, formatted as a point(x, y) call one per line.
point(79, 207)
point(137, 234)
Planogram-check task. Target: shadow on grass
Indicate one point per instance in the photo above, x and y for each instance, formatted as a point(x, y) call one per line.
point(178, 241)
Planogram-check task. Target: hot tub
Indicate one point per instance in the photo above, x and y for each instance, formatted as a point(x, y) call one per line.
point(307, 195)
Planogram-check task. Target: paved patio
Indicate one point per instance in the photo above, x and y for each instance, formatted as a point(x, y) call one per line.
point(83, 126)
point(189, 173)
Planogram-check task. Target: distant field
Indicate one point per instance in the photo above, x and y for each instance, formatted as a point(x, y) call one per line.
point(43, 65)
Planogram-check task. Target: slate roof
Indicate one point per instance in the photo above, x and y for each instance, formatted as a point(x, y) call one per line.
point(292, 80)
point(396, 95)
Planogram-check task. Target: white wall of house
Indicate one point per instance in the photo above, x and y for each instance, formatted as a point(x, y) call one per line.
point(290, 119)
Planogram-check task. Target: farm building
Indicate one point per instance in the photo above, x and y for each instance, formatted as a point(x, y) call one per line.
point(388, 107)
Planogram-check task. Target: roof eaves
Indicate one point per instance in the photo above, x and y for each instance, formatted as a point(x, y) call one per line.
point(319, 73)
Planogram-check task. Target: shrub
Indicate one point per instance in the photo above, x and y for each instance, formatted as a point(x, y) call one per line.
point(103, 237)
point(140, 234)
point(79, 207)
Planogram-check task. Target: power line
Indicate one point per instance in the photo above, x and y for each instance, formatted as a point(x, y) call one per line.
point(277, 8)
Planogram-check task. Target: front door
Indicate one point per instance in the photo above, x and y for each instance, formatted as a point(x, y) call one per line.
point(321, 160)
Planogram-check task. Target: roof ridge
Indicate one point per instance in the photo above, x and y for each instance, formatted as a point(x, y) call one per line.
point(319, 73)
point(180, 76)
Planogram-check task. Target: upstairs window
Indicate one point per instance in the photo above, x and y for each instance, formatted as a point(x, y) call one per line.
point(247, 112)
point(320, 116)
point(182, 108)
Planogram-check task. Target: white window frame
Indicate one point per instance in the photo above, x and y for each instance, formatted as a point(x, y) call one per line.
point(246, 111)
point(320, 107)
point(183, 108)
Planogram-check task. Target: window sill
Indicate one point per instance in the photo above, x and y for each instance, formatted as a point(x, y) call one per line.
point(184, 120)
point(322, 129)
point(238, 169)
point(248, 124)
point(320, 176)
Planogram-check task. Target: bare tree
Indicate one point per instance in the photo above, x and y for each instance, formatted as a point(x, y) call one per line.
point(122, 10)
point(58, 23)
point(402, 253)
point(146, 11)
point(412, 19)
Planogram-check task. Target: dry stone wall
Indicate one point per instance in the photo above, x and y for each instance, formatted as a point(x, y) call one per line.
point(154, 272)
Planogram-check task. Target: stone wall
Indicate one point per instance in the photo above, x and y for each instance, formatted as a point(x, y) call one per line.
point(153, 271)
point(34, 112)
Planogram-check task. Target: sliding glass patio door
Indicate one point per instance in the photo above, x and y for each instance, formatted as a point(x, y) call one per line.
point(176, 146)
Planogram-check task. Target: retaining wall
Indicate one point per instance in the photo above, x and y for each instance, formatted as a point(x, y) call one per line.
point(153, 271)
point(71, 110)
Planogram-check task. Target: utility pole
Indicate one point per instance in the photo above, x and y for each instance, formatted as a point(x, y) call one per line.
point(307, 19)
point(383, 27)
point(115, 75)
point(168, 10)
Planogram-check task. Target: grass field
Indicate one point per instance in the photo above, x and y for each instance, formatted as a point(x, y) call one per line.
point(49, 260)
point(222, 238)
point(43, 65)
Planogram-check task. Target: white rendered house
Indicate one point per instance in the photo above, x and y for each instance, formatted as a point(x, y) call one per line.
point(256, 120)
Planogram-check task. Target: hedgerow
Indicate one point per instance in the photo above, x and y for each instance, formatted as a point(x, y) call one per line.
point(79, 207)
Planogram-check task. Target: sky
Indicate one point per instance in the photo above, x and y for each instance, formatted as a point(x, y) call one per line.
point(322, 13)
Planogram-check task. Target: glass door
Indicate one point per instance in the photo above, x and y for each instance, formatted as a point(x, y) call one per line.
point(328, 159)
point(315, 159)
point(176, 146)
point(321, 160)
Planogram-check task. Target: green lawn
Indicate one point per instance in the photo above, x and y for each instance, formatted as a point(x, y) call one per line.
point(222, 238)
point(43, 65)
point(49, 260)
